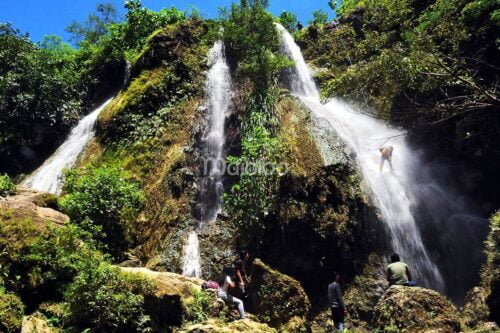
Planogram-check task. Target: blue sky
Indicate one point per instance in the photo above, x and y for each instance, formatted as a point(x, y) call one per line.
point(40, 18)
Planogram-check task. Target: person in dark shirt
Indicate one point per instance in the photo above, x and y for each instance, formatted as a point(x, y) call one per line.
point(241, 268)
point(336, 301)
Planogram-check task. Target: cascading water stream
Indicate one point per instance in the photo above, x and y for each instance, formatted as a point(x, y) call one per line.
point(364, 134)
point(218, 93)
point(48, 177)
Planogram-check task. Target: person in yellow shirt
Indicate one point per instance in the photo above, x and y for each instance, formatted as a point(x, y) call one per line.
point(398, 272)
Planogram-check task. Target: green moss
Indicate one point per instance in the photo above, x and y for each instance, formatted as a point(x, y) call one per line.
point(303, 156)
point(11, 313)
point(46, 200)
point(276, 298)
point(490, 276)
point(143, 91)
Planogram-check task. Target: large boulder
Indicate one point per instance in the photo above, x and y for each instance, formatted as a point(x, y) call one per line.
point(216, 326)
point(277, 299)
point(170, 298)
point(414, 309)
point(32, 205)
point(365, 291)
point(475, 310)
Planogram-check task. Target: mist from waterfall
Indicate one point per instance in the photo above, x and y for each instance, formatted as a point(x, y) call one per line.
point(49, 176)
point(410, 200)
point(218, 95)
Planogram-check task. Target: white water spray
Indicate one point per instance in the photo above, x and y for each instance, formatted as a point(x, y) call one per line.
point(218, 92)
point(49, 176)
point(364, 135)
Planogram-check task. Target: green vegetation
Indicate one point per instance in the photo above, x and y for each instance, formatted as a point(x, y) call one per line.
point(62, 264)
point(37, 93)
point(11, 313)
point(288, 20)
point(199, 307)
point(402, 48)
point(108, 300)
point(252, 42)
point(6, 185)
point(490, 276)
point(319, 17)
point(46, 88)
point(103, 200)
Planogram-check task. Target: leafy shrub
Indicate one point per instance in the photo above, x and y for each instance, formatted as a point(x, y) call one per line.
point(253, 197)
point(103, 199)
point(55, 258)
point(199, 308)
point(319, 17)
point(288, 20)
point(106, 300)
point(11, 313)
point(253, 42)
point(17, 234)
point(6, 186)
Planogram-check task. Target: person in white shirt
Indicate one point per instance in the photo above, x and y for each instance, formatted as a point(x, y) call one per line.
point(224, 285)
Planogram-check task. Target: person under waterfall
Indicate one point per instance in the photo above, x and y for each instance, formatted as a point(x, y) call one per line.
point(336, 301)
point(223, 292)
point(386, 155)
point(398, 272)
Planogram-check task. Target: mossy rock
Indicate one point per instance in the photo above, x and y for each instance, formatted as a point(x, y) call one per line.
point(490, 277)
point(414, 309)
point(36, 323)
point(475, 310)
point(276, 298)
point(168, 301)
point(303, 156)
point(217, 326)
point(365, 291)
point(11, 313)
point(46, 200)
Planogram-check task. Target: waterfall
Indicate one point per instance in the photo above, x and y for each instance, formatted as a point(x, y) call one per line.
point(191, 266)
point(48, 177)
point(364, 135)
point(218, 95)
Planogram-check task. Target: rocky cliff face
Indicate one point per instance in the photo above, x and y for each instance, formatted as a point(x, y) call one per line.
point(322, 222)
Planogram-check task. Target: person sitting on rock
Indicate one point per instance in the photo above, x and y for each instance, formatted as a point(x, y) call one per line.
point(386, 155)
point(240, 265)
point(398, 272)
point(225, 283)
point(336, 302)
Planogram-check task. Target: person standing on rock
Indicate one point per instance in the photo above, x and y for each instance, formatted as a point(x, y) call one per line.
point(241, 267)
point(398, 272)
point(337, 302)
point(225, 283)
point(386, 155)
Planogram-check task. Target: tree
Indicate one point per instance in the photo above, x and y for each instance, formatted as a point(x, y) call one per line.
point(288, 20)
point(55, 45)
point(319, 17)
point(95, 26)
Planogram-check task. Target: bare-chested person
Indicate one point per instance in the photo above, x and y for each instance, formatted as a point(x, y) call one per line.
point(386, 155)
